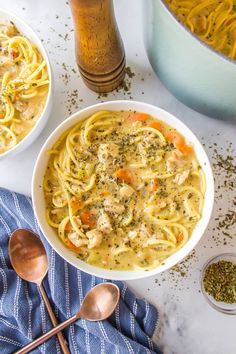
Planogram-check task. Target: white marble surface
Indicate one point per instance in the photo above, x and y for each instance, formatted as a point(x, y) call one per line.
point(188, 325)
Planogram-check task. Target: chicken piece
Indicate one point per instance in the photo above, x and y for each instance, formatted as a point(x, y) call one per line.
point(144, 231)
point(4, 62)
point(132, 234)
point(27, 110)
point(76, 240)
point(29, 113)
point(175, 161)
point(107, 151)
point(161, 204)
point(8, 29)
point(107, 155)
point(104, 223)
point(113, 206)
point(150, 140)
point(17, 129)
point(120, 232)
point(82, 156)
point(181, 177)
point(150, 242)
point(126, 192)
point(21, 106)
point(95, 238)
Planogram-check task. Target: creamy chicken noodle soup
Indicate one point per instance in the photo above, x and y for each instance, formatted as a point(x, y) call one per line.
point(23, 86)
point(123, 190)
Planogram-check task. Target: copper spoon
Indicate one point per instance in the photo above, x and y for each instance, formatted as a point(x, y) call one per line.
point(29, 260)
point(98, 304)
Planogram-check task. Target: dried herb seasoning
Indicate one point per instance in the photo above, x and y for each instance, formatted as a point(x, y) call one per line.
point(226, 163)
point(125, 86)
point(227, 221)
point(220, 281)
point(224, 168)
point(129, 72)
point(72, 101)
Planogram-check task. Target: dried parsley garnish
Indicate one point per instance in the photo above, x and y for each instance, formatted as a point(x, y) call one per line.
point(220, 281)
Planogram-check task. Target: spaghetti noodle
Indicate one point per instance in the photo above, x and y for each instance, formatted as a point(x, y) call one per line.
point(214, 21)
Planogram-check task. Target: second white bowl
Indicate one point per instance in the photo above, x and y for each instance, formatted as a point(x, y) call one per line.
point(27, 31)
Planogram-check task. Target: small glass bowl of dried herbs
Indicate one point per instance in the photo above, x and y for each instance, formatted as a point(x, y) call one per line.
point(218, 282)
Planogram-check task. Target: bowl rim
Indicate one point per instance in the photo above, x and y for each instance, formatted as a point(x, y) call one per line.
point(45, 56)
point(200, 41)
point(209, 299)
point(37, 189)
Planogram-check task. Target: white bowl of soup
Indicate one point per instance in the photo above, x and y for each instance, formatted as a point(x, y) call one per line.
point(26, 85)
point(123, 190)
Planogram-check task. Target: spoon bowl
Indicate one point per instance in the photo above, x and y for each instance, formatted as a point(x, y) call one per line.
point(28, 256)
point(100, 302)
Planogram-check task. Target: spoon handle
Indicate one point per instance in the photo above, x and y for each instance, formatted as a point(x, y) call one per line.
point(48, 335)
point(60, 336)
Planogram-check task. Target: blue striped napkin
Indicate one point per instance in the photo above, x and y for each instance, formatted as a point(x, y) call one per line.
point(23, 316)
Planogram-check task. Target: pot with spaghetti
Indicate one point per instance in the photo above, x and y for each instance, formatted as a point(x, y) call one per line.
point(213, 21)
point(191, 45)
point(123, 190)
point(23, 87)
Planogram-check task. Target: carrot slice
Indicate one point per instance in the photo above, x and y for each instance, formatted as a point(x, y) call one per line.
point(179, 142)
point(175, 138)
point(70, 245)
point(124, 175)
point(156, 125)
point(68, 227)
point(104, 193)
point(186, 149)
point(87, 218)
point(15, 97)
point(138, 117)
point(155, 183)
point(13, 53)
point(180, 237)
point(76, 204)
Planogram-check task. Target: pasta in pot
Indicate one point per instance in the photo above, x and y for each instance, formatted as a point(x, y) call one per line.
point(214, 21)
point(23, 86)
point(123, 190)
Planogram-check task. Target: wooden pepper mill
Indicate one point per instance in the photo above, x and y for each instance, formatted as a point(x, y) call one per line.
point(99, 48)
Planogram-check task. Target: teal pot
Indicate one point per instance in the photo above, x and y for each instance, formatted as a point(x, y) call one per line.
point(196, 74)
